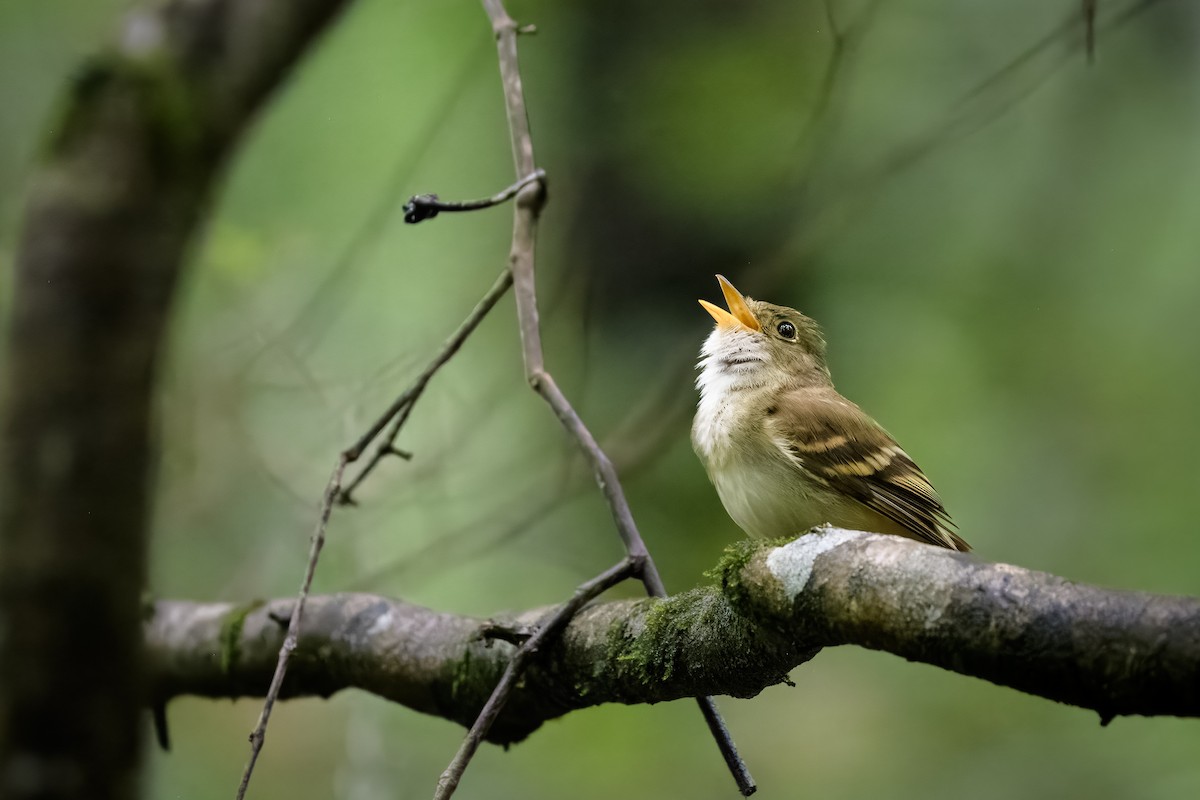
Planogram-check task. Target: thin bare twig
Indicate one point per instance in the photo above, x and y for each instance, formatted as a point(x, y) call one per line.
point(421, 207)
point(1089, 28)
point(259, 734)
point(634, 444)
point(985, 102)
point(992, 97)
point(547, 628)
point(844, 44)
point(402, 407)
point(521, 261)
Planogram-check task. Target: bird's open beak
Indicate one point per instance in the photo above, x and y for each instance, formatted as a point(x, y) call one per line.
point(738, 315)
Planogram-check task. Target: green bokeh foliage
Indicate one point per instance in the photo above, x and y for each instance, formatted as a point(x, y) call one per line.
point(1015, 300)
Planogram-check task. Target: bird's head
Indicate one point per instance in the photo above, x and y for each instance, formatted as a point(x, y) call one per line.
point(761, 344)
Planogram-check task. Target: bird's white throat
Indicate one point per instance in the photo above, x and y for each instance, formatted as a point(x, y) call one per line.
point(733, 362)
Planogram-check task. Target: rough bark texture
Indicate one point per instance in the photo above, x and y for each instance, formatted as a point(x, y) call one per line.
point(126, 173)
point(1116, 652)
point(1112, 651)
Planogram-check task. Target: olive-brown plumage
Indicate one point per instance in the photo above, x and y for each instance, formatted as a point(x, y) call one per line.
point(785, 451)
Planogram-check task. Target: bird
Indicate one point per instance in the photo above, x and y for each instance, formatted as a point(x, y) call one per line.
point(785, 451)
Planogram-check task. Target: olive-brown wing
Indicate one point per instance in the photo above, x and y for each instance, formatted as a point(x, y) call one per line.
point(844, 449)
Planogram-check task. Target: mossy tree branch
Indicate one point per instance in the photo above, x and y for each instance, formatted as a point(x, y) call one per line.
point(774, 608)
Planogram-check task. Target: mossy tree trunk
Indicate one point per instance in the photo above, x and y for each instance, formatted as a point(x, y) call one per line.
point(126, 175)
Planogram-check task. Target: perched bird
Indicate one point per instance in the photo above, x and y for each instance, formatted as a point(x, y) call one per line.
point(785, 450)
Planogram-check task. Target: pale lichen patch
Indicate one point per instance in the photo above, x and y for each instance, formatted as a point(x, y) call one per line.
point(792, 564)
point(382, 623)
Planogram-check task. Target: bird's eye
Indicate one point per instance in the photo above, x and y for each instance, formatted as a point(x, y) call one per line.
point(787, 330)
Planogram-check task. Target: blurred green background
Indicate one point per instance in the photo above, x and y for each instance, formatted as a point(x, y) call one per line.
point(1003, 250)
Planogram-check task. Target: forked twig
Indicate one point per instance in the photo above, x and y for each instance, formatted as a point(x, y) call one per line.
point(402, 407)
point(396, 414)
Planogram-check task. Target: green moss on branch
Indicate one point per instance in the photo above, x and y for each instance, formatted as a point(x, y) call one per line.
point(231, 634)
